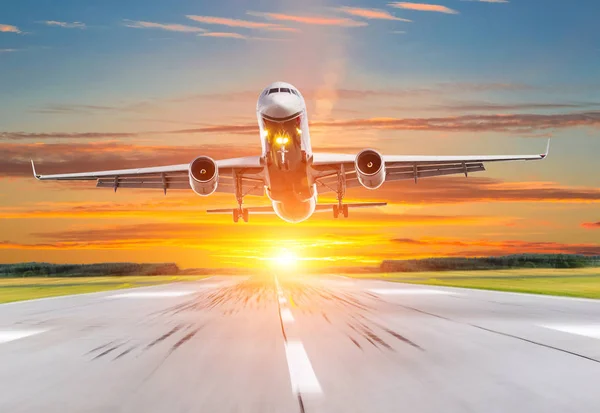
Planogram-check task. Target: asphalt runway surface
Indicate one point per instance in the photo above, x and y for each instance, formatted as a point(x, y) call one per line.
point(300, 344)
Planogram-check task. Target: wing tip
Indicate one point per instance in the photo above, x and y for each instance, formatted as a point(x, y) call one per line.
point(35, 175)
point(545, 154)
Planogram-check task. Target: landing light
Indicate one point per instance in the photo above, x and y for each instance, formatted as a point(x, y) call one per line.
point(265, 133)
point(299, 131)
point(281, 140)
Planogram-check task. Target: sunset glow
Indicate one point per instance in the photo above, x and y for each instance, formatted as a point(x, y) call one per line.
point(122, 88)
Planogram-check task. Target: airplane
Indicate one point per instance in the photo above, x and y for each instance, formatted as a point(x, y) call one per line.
point(288, 171)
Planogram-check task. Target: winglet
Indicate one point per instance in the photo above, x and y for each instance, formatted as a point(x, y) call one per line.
point(544, 155)
point(36, 176)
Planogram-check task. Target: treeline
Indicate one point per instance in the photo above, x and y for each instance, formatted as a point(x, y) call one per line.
point(491, 263)
point(41, 269)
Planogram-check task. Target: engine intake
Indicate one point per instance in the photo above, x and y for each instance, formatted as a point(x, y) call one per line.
point(204, 175)
point(370, 169)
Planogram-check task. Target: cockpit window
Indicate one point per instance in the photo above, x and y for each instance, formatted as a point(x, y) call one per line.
point(284, 90)
point(274, 90)
point(294, 92)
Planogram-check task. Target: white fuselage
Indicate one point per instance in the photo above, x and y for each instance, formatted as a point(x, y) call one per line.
point(285, 140)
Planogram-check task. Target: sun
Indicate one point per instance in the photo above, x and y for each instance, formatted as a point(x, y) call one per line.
point(285, 259)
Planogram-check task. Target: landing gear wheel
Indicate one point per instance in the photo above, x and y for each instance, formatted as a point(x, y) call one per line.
point(345, 210)
point(245, 215)
point(336, 211)
point(236, 215)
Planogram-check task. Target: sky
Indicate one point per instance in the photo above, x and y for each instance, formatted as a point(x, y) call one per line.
point(90, 85)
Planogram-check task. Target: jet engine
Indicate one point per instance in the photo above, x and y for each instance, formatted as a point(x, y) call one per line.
point(370, 169)
point(204, 175)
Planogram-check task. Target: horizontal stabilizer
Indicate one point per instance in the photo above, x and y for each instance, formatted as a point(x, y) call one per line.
point(268, 210)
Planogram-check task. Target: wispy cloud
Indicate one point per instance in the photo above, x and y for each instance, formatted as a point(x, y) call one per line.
point(423, 7)
point(7, 28)
point(8, 50)
point(246, 24)
point(591, 225)
point(311, 20)
point(66, 25)
point(371, 13)
point(227, 35)
point(398, 32)
point(162, 26)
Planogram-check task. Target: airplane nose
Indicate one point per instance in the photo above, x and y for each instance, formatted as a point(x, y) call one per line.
point(281, 106)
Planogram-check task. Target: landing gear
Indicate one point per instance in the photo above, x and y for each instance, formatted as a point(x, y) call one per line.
point(239, 212)
point(340, 208)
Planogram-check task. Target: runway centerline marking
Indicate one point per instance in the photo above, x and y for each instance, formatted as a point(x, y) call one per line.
point(302, 375)
point(411, 291)
point(286, 315)
point(587, 330)
point(151, 294)
point(11, 335)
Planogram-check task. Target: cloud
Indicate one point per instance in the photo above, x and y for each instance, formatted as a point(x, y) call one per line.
point(423, 7)
point(371, 13)
point(169, 27)
point(591, 225)
point(487, 107)
point(228, 35)
point(8, 50)
point(7, 28)
point(311, 20)
point(246, 24)
point(483, 247)
point(66, 25)
point(514, 123)
point(398, 32)
point(452, 190)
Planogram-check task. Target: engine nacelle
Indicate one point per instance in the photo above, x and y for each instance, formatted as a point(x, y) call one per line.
point(204, 175)
point(370, 169)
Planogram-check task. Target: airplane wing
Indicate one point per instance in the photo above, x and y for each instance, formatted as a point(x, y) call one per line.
point(404, 167)
point(248, 169)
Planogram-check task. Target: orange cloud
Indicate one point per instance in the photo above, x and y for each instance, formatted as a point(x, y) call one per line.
point(169, 27)
point(371, 13)
point(239, 23)
point(591, 225)
point(423, 7)
point(228, 35)
point(312, 20)
point(7, 28)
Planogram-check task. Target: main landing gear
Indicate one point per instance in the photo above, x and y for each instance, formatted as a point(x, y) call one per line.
point(240, 213)
point(340, 208)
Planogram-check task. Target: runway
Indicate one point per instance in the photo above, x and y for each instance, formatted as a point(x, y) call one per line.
point(300, 344)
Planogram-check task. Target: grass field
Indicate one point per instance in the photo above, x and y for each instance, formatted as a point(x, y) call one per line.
point(18, 289)
point(581, 282)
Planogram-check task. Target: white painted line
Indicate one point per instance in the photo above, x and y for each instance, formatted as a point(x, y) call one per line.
point(10, 335)
point(411, 291)
point(152, 294)
point(302, 375)
point(286, 315)
point(588, 330)
point(282, 300)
